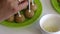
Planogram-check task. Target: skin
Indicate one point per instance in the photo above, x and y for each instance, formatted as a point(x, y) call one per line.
point(10, 7)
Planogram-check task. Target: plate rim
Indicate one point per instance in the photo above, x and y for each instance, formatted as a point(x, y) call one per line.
point(55, 7)
point(27, 24)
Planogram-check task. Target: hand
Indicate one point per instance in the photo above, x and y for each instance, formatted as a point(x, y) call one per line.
point(10, 7)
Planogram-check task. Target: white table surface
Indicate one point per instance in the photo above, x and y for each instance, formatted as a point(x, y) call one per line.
point(34, 28)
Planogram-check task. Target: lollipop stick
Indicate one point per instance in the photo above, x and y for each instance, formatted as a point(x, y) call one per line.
point(18, 11)
point(19, 14)
point(32, 2)
point(29, 5)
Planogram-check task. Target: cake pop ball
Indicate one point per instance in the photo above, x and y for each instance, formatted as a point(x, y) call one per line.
point(20, 18)
point(33, 7)
point(58, 1)
point(10, 19)
point(29, 14)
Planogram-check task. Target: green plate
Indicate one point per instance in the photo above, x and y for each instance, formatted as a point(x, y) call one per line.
point(55, 5)
point(27, 21)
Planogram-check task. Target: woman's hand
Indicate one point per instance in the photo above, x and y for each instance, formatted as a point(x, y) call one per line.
point(10, 7)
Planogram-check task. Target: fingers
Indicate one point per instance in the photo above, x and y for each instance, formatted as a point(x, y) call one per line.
point(23, 5)
point(14, 5)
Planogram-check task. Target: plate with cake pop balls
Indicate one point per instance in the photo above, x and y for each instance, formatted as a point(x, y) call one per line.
point(25, 17)
point(56, 5)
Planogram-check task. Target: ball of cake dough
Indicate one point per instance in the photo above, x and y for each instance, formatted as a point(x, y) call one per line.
point(33, 7)
point(58, 1)
point(10, 19)
point(29, 14)
point(20, 18)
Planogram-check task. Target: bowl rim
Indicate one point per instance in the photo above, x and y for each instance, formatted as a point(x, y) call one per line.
point(44, 18)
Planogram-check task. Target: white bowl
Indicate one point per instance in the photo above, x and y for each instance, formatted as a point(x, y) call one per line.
point(50, 19)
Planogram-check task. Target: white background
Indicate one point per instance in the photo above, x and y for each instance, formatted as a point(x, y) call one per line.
point(34, 28)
